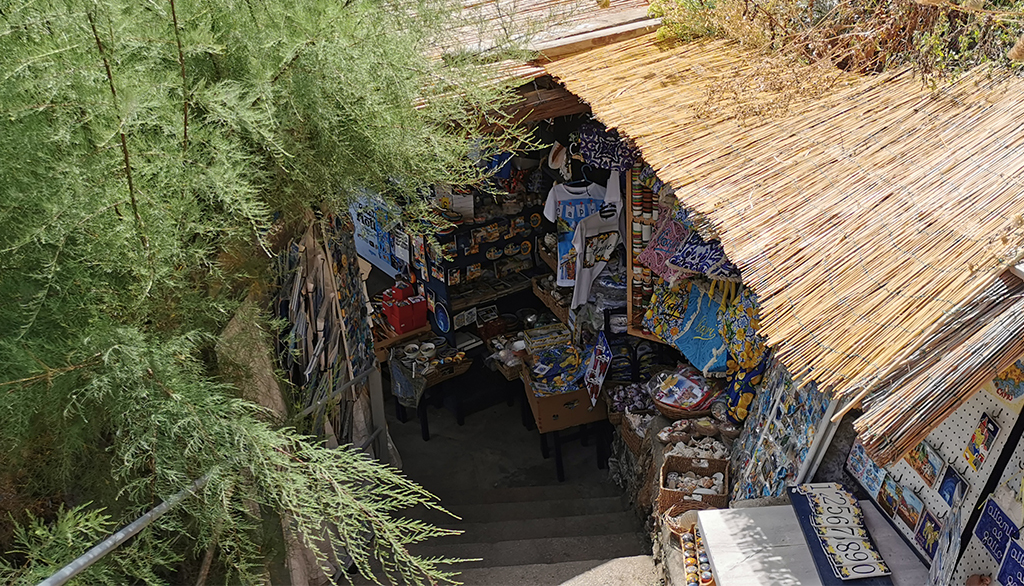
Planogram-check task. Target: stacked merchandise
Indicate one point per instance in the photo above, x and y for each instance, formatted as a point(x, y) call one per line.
point(833, 526)
point(556, 365)
point(404, 310)
point(329, 340)
point(785, 432)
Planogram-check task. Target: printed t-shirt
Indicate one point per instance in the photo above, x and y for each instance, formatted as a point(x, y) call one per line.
point(566, 206)
point(595, 240)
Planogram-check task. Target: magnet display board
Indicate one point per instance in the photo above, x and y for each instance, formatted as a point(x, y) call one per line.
point(976, 559)
point(950, 439)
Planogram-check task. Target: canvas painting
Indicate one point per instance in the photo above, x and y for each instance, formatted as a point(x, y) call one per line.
point(948, 485)
point(981, 442)
point(910, 508)
point(869, 474)
point(889, 496)
point(927, 534)
point(927, 462)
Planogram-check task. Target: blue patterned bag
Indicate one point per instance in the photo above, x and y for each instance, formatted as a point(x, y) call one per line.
point(700, 337)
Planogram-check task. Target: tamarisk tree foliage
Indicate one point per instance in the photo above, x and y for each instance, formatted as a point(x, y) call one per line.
point(145, 142)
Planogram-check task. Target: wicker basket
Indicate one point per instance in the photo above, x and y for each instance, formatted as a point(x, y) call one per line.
point(669, 498)
point(672, 412)
point(562, 313)
point(633, 441)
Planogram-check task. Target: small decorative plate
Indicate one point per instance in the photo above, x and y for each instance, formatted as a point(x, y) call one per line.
point(441, 317)
point(535, 220)
point(493, 253)
point(525, 247)
point(511, 249)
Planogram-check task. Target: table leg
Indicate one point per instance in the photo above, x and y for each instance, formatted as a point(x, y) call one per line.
point(526, 413)
point(400, 413)
point(544, 446)
point(559, 468)
point(584, 435)
point(602, 446)
point(421, 410)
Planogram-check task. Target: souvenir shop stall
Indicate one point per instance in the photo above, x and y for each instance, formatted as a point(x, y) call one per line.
point(728, 426)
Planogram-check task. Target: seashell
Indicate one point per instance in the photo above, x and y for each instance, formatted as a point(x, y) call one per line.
point(704, 491)
point(718, 477)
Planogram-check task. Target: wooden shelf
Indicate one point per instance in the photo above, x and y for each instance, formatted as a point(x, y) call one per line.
point(634, 331)
point(381, 347)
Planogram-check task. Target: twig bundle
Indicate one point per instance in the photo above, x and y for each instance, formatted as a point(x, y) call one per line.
point(867, 220)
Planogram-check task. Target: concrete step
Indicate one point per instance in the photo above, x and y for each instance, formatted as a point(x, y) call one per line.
point(638, 570)
point(528, 575)
point(489, 513)
point(522, 494)
point(600, 524)
point(550, 550)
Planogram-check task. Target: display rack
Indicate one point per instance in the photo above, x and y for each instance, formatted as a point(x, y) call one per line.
point(631, 318)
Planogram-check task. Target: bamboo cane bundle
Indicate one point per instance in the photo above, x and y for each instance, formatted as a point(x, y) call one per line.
point(868, 219)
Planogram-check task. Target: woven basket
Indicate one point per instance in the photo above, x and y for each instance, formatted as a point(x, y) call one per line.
point(562, 313)
point(668, 498)
point(633, 441)
point(672, 412)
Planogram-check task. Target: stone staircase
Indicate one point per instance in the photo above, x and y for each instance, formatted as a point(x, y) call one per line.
point(520, 525)
point(543, 535)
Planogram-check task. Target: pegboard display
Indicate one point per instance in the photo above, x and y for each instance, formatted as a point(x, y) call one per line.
point(976, 559)
point(950, 439)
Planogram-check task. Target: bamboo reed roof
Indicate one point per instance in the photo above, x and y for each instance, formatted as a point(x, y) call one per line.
point(540, 20)
point(874, 222)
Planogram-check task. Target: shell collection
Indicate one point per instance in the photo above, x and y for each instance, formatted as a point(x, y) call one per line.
point(695, 438)
point(632, 397)
point(690, 483)
point(698, 565)
point(707, 447)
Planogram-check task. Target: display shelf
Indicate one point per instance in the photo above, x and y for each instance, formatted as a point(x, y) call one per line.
point(546, 256)
point(631, 318)
point(638, 333)
point(381, 346)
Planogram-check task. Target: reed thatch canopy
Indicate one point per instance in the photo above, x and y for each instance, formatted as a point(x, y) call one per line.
point(874, 220)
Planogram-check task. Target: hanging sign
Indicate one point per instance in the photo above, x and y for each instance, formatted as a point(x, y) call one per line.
point(995, 529)
point(597, 368)
point(1011, 572)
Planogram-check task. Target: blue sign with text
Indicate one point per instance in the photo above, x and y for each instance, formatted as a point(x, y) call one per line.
point(1011, 573)
point(995, 529)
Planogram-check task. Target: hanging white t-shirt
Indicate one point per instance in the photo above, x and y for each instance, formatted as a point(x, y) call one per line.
point(595, 240)
point(566, 206)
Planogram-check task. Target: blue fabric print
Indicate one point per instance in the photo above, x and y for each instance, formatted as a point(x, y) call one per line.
point(604, 149)
point(700, 338)
point(707, 258)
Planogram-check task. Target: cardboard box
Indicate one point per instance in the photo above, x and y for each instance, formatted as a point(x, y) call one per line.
point(565, 410)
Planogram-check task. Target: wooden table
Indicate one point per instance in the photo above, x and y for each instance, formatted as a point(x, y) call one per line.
point(555, 413)
point(382, 348)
